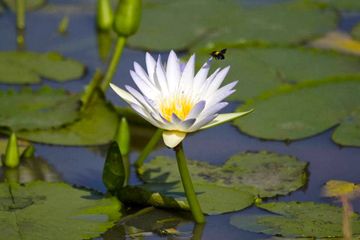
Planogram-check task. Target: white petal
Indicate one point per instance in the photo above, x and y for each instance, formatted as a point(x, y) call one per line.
point(160, 78)
point(221, 93)
point(173, 138)
point(150, 66)
point(213, 109)
point(140, 98)
point(201, 76)
point(196, 110)
point(201, 122)
point(147, 88)
point(140, 72)
point(185, 125)
point(187, 76)
point(124, 94)
point(147, 116)
point(203, 89)
point(216, 82)
point(226, 117)
point(173, 71)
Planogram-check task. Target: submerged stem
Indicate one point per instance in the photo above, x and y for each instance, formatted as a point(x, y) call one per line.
point(120, 44)
point(148, 148)
point(188, 186)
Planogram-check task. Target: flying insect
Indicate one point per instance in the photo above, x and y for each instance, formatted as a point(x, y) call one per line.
point(219, 55)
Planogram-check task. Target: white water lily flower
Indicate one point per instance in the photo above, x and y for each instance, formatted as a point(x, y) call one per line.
point(172, 98)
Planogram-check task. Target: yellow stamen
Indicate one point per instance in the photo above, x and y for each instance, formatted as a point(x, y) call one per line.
point(181, 106)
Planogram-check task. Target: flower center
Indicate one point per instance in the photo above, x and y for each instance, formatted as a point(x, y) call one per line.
point(180, 105)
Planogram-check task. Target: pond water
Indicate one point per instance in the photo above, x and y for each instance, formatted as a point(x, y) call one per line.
point(83, 166)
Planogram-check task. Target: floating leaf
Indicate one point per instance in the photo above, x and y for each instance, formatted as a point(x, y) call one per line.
point(97, 125)
point(28, 67)
point(269, 23)
point(148, 222)
point(265, 68)
point(42, 210)
point(30, 4)
point(297, 219)
point(264, 174)
point(337, 188)
point(355, 32)
point(345, 5)
point(303, 110)
point(228, 188)
point(338, 41)
point(38, 109)
point(348, 133)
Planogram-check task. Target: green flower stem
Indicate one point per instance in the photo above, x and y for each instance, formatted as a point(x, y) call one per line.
point(188, 186)
point(148, 148)
point(20, 14)
point(120, 44)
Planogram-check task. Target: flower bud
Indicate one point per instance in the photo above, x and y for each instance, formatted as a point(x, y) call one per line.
point(12, 158)
point(127, 17)
point(123, 137)
point(104, 15)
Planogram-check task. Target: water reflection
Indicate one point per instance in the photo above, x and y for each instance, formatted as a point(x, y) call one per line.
point(29, 170)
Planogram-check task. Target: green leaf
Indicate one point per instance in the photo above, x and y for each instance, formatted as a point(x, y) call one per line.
point(264, 174)
point(265, 68)
point(30, 4)
point(56, 211)
point(297, 219)
point(348, 133)
point(304, 110)
point(97, 125)
point(344, 5)
point(355, 32)
point(38, 109)
point(231, 187)
point(28, 67)
point(228, 23)
point(114, 171)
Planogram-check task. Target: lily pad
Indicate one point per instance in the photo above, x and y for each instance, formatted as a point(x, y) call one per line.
point(345, 5)
point(232, 187)
point(297, 219)
point(74, 213)
point(235, 24)
point(348, 133)
point(29, 67)
point(304, 110)
point(97, 125)
point(262, 174)
point(38, 109)
point(355, 32)
point(265, 68)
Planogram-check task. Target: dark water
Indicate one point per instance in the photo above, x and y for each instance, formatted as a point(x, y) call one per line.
point(83, 166)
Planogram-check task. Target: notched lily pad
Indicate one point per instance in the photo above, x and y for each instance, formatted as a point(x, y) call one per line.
point(348, 133)
point(305, 110)
point(269, 23)
point(297, 219)
point(263, 174)
point(97, 125)
point(232, 187)
point(24, 211)
point(345, 5)
point(29, 67)
point(265, 68)
point(37, 109)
